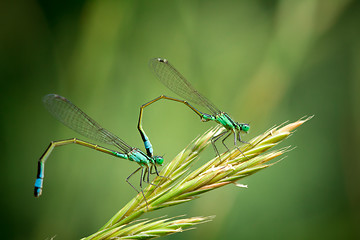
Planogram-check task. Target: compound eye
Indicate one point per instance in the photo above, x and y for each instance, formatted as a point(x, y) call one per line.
point(159, 160)
point(245, 127)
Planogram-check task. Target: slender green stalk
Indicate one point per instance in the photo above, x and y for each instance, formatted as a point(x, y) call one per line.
point(180, 184)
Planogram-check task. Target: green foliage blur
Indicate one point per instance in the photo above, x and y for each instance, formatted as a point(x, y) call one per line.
point(263, 62)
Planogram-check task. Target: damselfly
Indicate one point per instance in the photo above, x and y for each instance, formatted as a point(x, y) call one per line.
point(173, 80)
point(72, 117)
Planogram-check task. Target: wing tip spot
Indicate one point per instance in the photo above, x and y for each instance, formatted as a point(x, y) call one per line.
point(163, 60)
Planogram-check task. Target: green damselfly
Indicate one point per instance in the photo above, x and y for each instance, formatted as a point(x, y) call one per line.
point(74, 118)
point(173, 80)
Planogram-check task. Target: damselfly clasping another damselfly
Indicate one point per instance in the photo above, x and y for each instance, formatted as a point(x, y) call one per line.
point(177, 83)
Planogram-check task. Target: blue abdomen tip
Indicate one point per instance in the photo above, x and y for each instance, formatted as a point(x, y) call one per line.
point(147, 144)
point(39, 182)
point(37, 192)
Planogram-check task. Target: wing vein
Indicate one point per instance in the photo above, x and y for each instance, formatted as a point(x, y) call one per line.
point(177, 83)
point(73, 117)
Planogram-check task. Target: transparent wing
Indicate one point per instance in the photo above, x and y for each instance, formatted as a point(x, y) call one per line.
point(72, 117)
point(177, 83)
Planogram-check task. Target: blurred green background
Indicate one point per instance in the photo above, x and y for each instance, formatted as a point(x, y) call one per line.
point(264, 62)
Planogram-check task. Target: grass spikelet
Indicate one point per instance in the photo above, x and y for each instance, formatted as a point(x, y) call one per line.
point(182, 184)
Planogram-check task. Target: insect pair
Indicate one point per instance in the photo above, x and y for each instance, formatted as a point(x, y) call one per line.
point(74, 118)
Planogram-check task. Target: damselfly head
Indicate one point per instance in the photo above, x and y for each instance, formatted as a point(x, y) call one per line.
point(159, 160)
point(244, 127)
